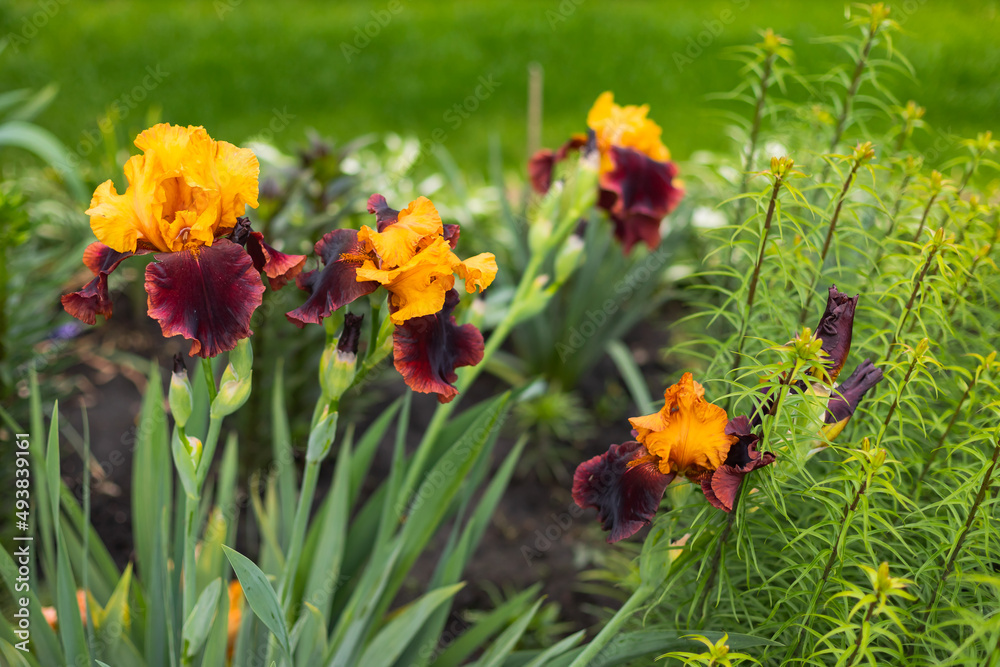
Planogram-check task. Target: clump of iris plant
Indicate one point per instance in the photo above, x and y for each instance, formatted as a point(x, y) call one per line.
point(410, 253)
point(184, 201)
point(638, 182)
point(693, 438)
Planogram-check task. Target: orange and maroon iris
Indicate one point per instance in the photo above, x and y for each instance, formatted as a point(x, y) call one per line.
point(689, 436)
point(411, 254)
point(638, 182)
point(185, 197)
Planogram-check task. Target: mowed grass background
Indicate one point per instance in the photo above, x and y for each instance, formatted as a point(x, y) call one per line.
point(234, 66)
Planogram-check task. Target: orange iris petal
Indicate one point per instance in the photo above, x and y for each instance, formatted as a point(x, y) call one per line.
point(625, 127)
point(184, 191)
point(688, 433)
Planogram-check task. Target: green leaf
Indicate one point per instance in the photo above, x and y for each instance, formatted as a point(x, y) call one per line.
point(112, 621)
point(632, 376)
point(631, 645)
point(389, 643)
point(281, 450)
point(199, 622)
point(217, 643)
point(261, 596)
point(44, 144)
point(324, 576)
point(559, 648)
point(505, 643)
point(476, 636)
point(44, 638)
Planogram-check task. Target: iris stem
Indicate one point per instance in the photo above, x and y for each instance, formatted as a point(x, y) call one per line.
point(960, 541)
point(610, 631)
point(191, 523)
point(309, 479)
point(206, 367)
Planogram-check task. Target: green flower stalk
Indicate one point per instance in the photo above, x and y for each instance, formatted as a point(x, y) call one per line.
point(862, 154)
point(781, 169)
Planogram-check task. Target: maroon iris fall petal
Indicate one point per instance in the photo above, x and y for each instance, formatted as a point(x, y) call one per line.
point(722, 485)
point(625, 497)
point(638, 193)
point(277, 266)
point(835, 329)
point(543, 162)
point(848, 395)
point(333, 286)
point(94, 299)
point(428, 349)
point(206, 295)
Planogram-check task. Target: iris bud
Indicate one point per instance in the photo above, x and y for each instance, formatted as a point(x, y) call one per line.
point(340, 359)
point(179, 394)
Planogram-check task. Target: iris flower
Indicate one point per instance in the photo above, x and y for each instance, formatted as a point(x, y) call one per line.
point(410, 253)
point(835, 329)
point(688, 436)
point(638, 185)
point(185, 195)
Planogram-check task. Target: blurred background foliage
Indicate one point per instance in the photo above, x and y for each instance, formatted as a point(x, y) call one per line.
point(228, 64)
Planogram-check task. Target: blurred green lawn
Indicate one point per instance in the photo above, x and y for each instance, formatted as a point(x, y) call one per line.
point(234, 66)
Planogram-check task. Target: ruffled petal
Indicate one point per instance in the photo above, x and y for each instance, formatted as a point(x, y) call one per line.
point(847, 397)
point(206, 295)
point(418, 287)
point(277, 266)
point(451, 234)
point(398, 241)
point(336, 284)
point(113, 218)
point(722, 485)
point(836, 328)
point(624, 485)
point(384, 216)
point(638, 193)
point(428, 349)
point(478, 272)
point(687, 434)
point(237, 174)
point(94, 299)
